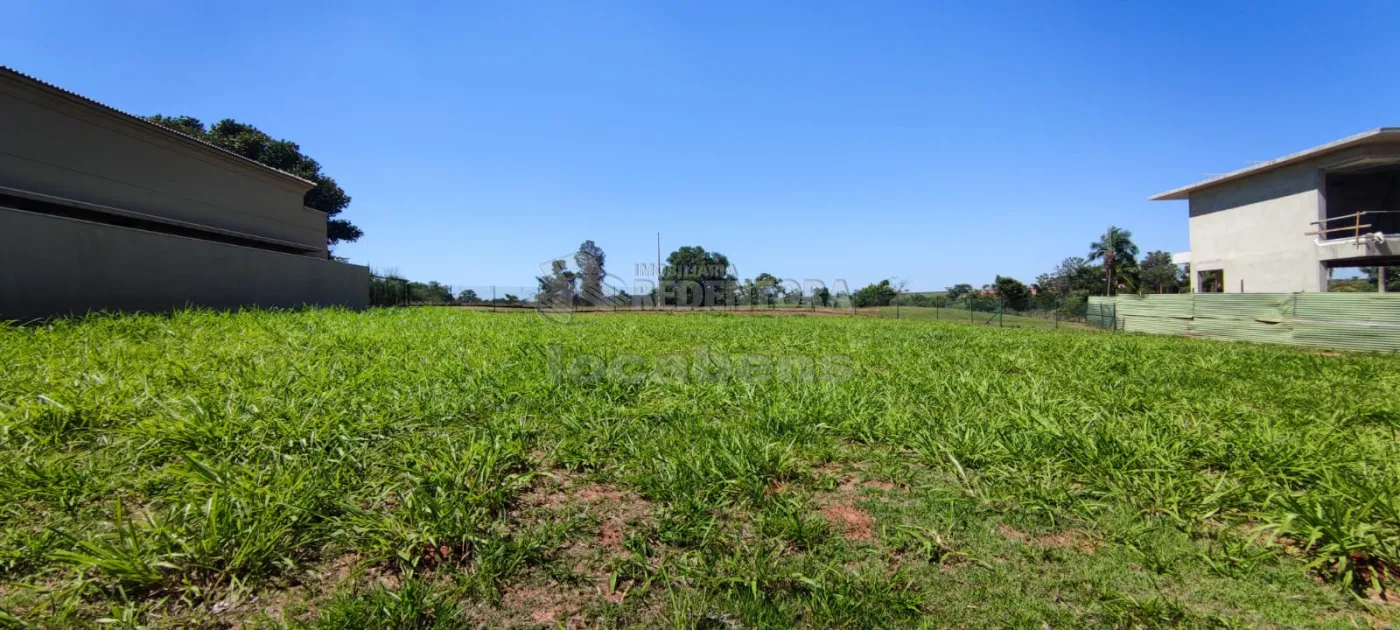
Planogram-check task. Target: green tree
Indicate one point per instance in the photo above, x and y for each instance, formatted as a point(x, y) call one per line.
point(1392, 278)
point(958, 290)
point(1119, 254)
point(694, 264)
point(468, 296)
point(1072, 273)
point(764, 288)
point(558, 285)
point(1080, 276)
point(429, 293)
point(1159, 273)
point(590, 259)
point(388, 290)
point(875, 295)
point(1014, 294)
point(1351, 285)
point(250, 142)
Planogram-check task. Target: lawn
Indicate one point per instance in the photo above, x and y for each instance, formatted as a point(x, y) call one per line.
point(437, 467)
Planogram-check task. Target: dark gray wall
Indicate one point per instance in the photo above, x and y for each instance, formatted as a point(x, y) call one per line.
point(1376, 189)
point(57, 145)
point(56, 266)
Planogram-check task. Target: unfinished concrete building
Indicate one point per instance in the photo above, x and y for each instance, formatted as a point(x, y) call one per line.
point(102, 210)
point(1282, 226)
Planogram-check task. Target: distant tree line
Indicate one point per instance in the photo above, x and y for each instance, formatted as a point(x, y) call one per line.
point(1110, 267)
point(1369, 282)
point(390, 289)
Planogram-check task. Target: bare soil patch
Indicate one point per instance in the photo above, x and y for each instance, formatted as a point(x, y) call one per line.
point(853, 523)
point(548, 604)
point(1065, 539)
point(607, 514)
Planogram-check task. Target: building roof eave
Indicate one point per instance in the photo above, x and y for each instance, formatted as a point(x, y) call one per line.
point(1381, 134)
point(45, 86)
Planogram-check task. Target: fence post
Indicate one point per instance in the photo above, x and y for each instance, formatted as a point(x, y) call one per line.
point(896, 310)
point(493, 298)
point(969, 310)
point(1001, 307)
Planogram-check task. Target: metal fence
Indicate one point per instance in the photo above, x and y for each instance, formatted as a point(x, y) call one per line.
point(393, 291)
point(387, 291)
point(980, 308)
point(987, 309)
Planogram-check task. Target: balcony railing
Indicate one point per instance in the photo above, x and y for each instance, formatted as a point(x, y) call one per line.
point(1357, 230)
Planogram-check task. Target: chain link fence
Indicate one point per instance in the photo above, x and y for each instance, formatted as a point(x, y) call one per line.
point(1073, 311)
point(979, 308)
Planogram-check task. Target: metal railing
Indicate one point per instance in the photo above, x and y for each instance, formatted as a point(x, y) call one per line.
point(1355, 228)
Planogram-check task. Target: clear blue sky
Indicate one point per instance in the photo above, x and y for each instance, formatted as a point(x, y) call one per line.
point(935, 142)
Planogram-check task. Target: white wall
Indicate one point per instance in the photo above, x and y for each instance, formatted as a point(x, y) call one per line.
point(1253, 229)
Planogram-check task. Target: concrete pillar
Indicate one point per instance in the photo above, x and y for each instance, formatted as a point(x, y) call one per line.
point(1381, 276)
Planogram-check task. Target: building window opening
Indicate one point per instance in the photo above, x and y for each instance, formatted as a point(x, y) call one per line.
point(1364, 279)
point(1211, 281)
point(1368, 198)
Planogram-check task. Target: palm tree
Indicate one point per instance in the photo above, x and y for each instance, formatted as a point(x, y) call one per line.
point(1116, 248)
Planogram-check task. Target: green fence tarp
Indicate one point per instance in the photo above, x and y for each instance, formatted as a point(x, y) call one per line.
point(1265, 306)
point(1155, 306)
point(1347, 321)
point(1158, 325)
point(1242, 329)
point(1365, 307)
point(1346, 336)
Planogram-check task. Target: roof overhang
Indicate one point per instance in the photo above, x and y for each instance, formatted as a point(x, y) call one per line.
point(152, 128)
point(1383, 134)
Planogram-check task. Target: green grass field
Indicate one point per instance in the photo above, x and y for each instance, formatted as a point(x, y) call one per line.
point(444, 468)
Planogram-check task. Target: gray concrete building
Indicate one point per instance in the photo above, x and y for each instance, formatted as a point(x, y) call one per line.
point(1281, 226)
point(102, 210)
